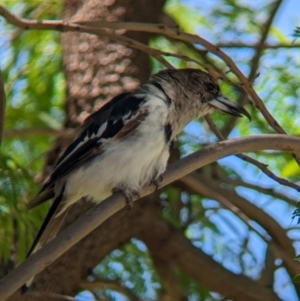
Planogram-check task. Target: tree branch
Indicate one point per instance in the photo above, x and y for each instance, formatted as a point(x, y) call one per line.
point(162, 29)
point(33, 15)
point(268, 191)
point(281, 244)
point(263, 167)
point(267, 275)
point(260, 46)
point(170, 244)
point(63, 27)
point(255, 63)
point(174, 289)
point(100, 212)
point(264, 46)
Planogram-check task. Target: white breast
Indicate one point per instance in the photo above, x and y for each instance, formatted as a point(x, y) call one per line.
point(132, 160)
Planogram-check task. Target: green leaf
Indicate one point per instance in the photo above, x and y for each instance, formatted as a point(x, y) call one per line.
point(186, 17)
point(296, 278)
point(291, 169)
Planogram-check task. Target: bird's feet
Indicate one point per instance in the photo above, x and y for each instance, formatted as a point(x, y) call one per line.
point(156, 181)
point(129, 195)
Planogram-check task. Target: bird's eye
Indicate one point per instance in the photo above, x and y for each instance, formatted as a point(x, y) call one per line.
point(210, 86)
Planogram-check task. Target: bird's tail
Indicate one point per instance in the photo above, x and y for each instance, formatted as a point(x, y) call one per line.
point(47, 232)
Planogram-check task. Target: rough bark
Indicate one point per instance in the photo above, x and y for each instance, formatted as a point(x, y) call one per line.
point(96, 70)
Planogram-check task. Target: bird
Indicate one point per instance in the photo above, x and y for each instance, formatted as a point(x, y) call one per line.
point(126, 144)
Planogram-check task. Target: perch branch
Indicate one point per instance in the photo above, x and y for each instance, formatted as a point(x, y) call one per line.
point(100, 212)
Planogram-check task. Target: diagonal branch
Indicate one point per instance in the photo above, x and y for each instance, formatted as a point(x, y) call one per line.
point(268, 273)
point(265, 45)
point(161, 29)
point(205, 185)
point(194, 39)
point(263, 167)
point(282, 245)
point(268, 191)
point(100, 212)
point(260, 46)
point(170, 244)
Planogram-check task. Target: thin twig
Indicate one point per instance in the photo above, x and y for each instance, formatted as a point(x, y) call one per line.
point(194, 39)
point(260, 47)
point(171, 32)
point(264, 46)
point(268, 191)
point(183, 57)
point(265, 31)
point(282, 246)
point(62, 26)
point(33, 15)
point(162, 29)
point(277, 249)
point(263, 167)
point(255, 213)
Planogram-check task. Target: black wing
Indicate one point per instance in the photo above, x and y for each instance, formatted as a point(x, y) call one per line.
point(98, 127)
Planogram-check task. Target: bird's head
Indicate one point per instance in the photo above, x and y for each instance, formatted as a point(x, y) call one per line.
point(200, 90)
point(209, 91)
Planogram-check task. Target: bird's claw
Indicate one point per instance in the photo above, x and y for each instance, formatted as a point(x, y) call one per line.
point(128, 195)
point(129, 198)
point(156, 182)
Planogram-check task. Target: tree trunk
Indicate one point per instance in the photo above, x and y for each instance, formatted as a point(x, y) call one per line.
point(96, 70)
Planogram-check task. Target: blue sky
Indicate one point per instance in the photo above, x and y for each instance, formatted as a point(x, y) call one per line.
point(286, 21)
point(288, 17)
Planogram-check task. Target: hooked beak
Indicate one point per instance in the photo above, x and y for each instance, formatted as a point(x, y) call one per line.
point(223, 104)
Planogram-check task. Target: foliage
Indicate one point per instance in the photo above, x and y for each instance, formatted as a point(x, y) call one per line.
point(34, 86)
point(35, 89)
point(297, 32)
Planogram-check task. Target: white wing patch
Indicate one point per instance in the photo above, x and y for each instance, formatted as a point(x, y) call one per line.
point(98, 134)
point(140, 113)
point(86, 138)
point(131, 158)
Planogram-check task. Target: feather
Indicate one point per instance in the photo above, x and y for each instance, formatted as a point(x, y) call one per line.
point(102, 125)
point(41, 198)
point(48, 231)
point(126, 143)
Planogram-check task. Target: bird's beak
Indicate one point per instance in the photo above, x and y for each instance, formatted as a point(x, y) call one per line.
point(223, 104)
